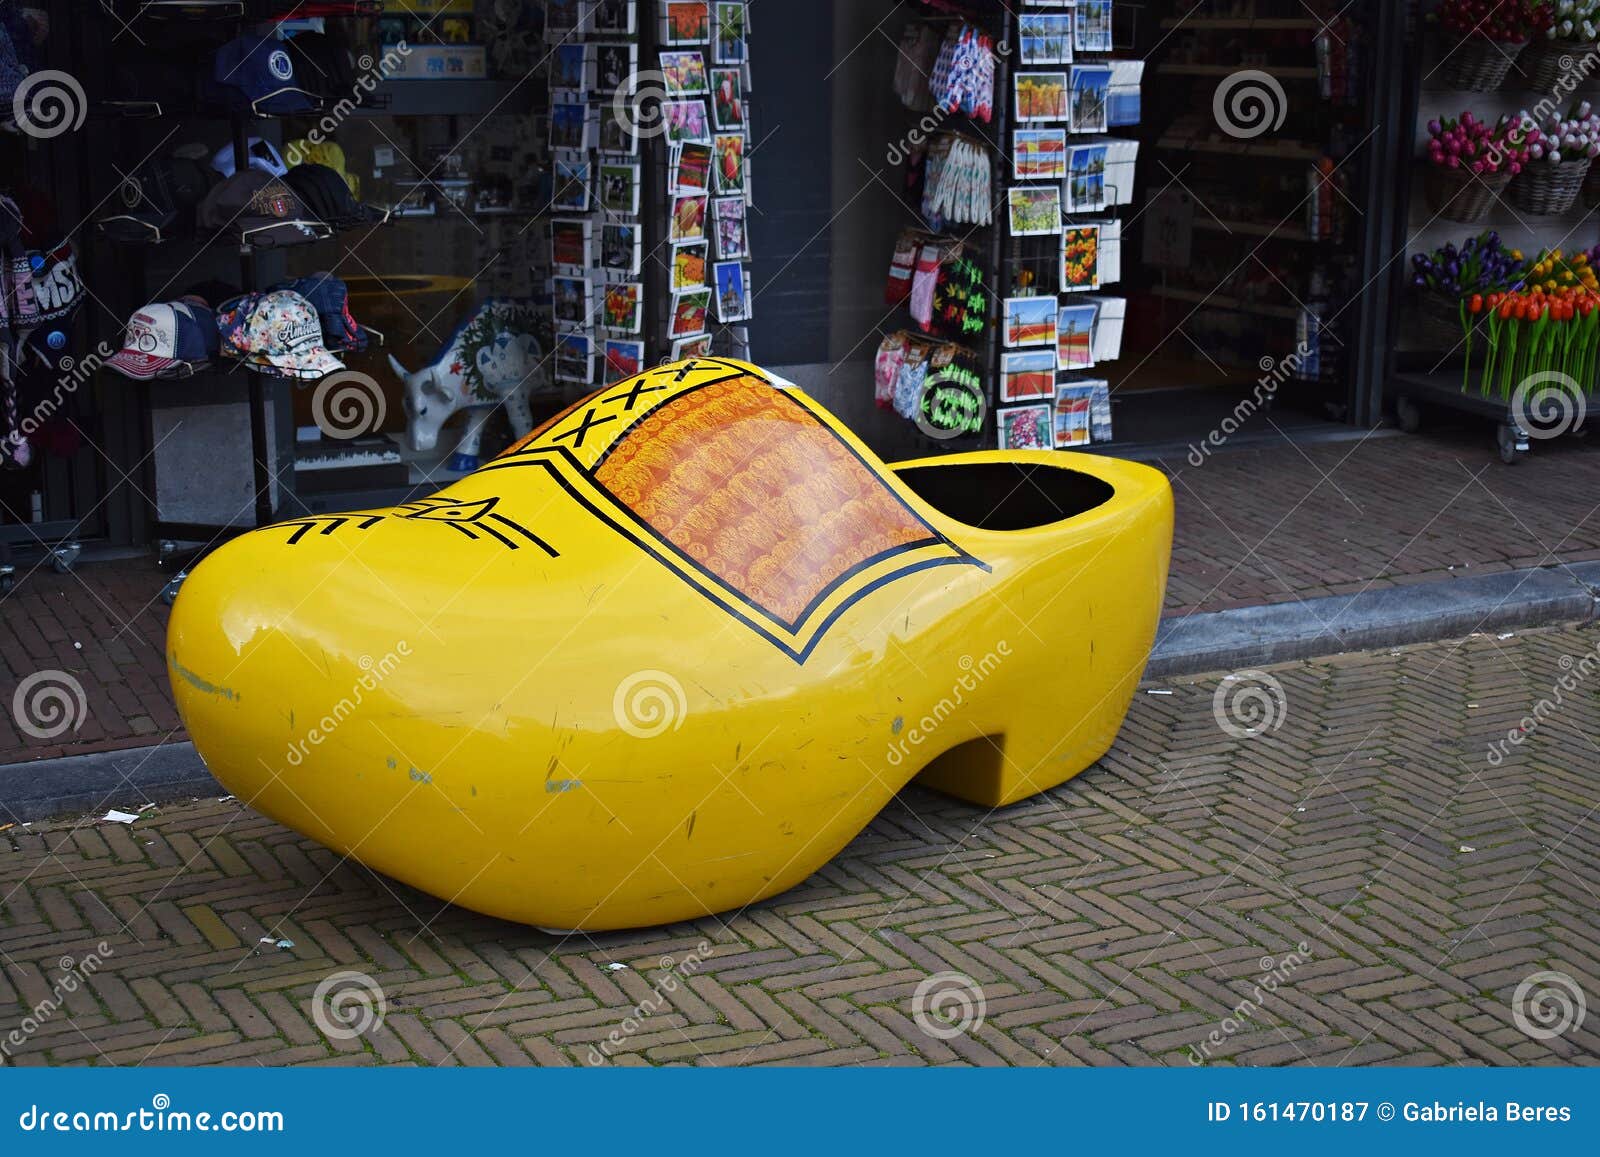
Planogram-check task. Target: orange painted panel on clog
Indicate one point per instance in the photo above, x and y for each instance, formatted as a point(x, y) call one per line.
point(747, 483)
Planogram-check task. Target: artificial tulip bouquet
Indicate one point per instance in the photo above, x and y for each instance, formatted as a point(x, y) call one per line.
point(1481, 39)
point(1549, 323)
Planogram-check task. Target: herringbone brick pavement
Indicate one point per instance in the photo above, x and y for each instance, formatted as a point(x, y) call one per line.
point(1357, 881)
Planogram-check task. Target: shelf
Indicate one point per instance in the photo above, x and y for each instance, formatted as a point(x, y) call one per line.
point(1253, 229)
point(1282, 72)
point(1275, 150)
point(1242, 23)
point(1222, 301)
point(455, 98)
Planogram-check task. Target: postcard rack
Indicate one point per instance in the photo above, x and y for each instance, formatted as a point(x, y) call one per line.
point(1061, 243)
point(639, 276)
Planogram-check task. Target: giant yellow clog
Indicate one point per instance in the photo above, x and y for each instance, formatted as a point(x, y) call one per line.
point(670, 652)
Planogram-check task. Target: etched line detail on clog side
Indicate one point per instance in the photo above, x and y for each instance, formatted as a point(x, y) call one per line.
point(477, 520)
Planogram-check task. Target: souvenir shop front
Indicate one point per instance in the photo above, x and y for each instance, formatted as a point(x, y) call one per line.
point(1123, 220)
point(269, 258)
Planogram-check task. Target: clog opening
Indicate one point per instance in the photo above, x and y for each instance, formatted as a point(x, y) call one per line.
point(1006, 495)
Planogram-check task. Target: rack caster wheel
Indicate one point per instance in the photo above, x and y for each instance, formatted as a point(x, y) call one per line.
point(8, 579)
point(62, 557)
point(169, 593)
point(1408, 414)
point(1512, 443)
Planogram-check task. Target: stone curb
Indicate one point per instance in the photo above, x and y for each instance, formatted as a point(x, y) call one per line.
point(1185, 645)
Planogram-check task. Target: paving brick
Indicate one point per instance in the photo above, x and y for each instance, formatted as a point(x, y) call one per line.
point(1123, 918)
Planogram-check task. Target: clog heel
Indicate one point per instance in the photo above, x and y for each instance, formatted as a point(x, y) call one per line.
point(669, 653)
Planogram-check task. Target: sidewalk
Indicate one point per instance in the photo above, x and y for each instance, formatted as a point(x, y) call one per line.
point(1253, 527)
point(1361, 853)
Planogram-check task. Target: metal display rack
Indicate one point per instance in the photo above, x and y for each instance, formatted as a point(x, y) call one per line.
point(984, 243)
point(1422, 384)
point(267, 399)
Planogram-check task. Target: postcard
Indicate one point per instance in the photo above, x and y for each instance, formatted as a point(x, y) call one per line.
point(1027, 377)
point(1028, 321)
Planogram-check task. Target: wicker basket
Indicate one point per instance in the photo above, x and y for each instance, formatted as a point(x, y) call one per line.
point(1478, 64)
point(1436, 322)
point(1549, 189)
point(1547, 66)
point(1591, 188)
point(1462, 195)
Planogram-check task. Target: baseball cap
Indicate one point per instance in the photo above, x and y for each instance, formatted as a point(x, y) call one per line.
point(277, 331)
point(263, 155)
point(330, 297)
point(260, 210)
point(164, 335)
point(155, 199)
point(328, 197)
point(257, 73)
point(322, 59)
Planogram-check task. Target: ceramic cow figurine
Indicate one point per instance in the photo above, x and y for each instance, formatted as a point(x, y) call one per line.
point(491, 359)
